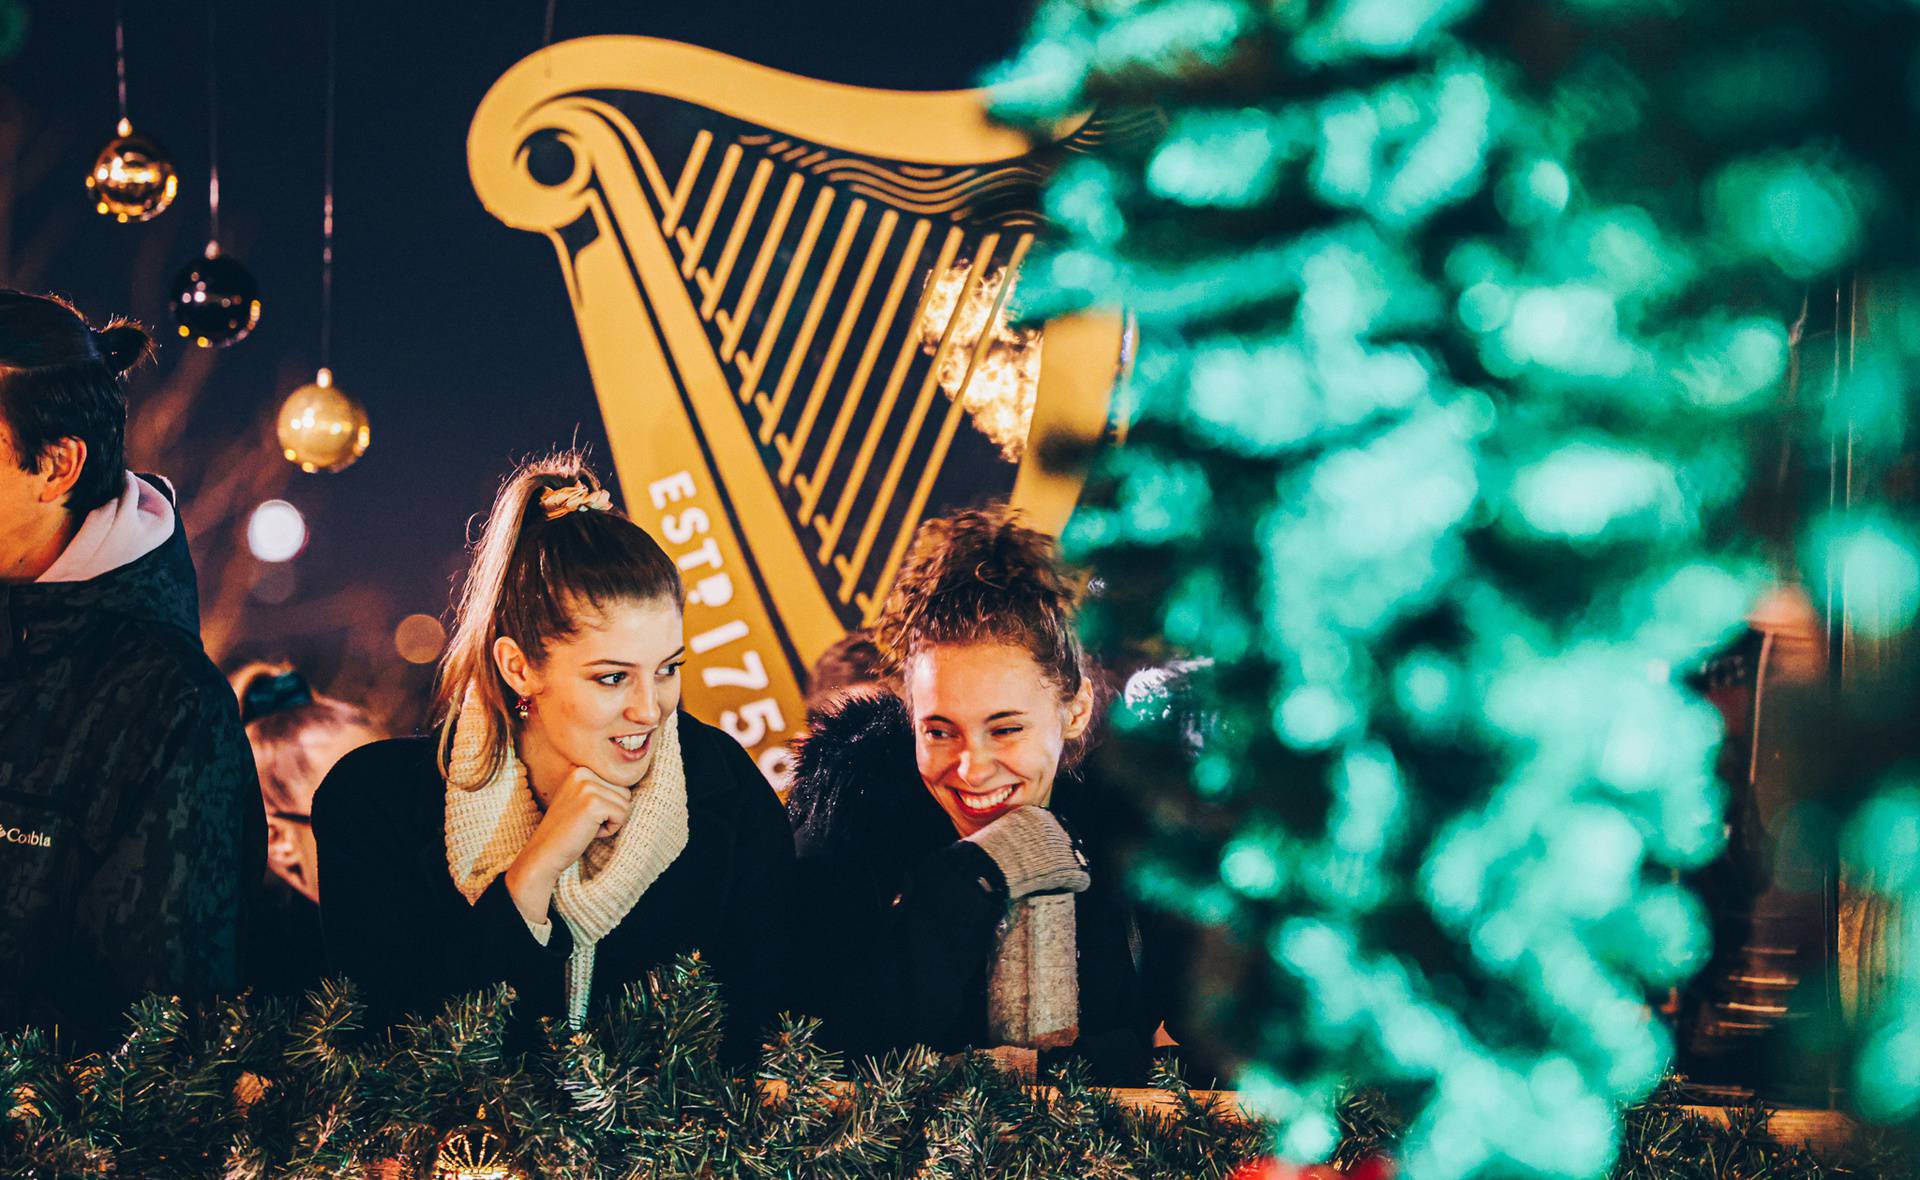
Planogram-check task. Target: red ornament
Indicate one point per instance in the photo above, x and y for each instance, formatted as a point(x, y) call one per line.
point(1268, 1168)
point(1372, 1167)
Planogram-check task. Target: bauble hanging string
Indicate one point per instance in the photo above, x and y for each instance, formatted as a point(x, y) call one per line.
point(132, 179)
point(322, 427)
point(215, 300)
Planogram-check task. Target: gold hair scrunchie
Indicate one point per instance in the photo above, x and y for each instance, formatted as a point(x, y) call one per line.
point(574, 498)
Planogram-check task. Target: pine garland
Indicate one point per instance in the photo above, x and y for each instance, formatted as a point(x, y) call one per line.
point(273, 1091)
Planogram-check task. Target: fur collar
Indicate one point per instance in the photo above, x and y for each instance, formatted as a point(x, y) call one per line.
point(854, 776)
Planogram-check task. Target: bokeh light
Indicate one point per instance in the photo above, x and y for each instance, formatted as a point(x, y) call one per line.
point(419, 639)
point(276, 531)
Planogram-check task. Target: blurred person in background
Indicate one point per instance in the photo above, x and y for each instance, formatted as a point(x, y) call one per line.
point(852, 666)
point(297, 735)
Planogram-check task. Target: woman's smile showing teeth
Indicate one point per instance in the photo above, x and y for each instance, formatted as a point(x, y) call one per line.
point(633, 745)
point(985, 801)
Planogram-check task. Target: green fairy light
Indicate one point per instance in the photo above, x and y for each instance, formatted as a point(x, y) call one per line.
point(1252, 865)
point(1357, 28)
point(1226, 158)
point(1539, 190)
point(1869, 405)
point(1881, 847)
point(1733, 366)
point(1884, 840)
point(1584, 491)
point(1797, 211)
point(1876, 566)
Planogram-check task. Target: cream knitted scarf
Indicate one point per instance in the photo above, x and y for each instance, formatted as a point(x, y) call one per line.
point(488, 826)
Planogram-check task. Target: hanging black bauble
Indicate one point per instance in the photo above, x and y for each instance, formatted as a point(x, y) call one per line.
point(215, 300)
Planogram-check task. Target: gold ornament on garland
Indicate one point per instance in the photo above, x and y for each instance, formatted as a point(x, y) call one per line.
point(26, 1103)
point(132, 179)
point(322, 428)
point(248, 1089)
point(474, 1153)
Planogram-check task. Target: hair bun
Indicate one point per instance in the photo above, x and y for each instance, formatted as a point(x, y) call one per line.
point(975, 574)
point(122, 345)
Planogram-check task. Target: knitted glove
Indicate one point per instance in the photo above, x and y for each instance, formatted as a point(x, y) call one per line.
point(1034, 853)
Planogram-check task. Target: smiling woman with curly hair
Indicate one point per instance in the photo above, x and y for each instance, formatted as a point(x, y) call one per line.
point(959, 894)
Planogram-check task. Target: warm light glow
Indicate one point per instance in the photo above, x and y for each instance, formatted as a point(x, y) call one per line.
point(276, 531)
point(999, 397)
point(419, 639)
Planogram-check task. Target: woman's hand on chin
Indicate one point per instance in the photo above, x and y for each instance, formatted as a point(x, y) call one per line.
point(584, 809)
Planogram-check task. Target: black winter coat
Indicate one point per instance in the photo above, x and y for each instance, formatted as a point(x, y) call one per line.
point(396, 925)
point(282, 947)
point(900, 916)
point(131, 830)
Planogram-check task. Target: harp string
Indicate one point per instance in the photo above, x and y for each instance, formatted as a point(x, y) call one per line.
point(856, 498)
point(850, 568)
point(791, 449)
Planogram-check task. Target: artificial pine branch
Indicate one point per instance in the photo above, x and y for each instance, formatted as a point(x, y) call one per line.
point(1369, 1126)
point(264, 1091)
point(1201, 1138)
point(811, 1106)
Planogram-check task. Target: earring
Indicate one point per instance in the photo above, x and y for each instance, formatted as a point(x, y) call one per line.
point(522, 707)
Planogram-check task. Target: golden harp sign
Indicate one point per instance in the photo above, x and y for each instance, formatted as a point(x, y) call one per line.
point(793, 300)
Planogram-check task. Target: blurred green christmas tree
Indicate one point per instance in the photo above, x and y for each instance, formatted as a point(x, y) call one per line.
point(1459, 325)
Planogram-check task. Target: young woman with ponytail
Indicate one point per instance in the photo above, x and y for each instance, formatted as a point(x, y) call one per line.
point(957, 885)
point(567, 827)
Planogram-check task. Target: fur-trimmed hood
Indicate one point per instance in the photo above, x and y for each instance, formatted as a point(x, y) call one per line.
point(853, 771)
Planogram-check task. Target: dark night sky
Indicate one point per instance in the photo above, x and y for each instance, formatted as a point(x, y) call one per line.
point(453, 329)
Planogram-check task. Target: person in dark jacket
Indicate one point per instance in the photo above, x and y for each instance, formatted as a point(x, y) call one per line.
point(571, 827)
point(131, 829)
point(947, 901)
point(297, 735)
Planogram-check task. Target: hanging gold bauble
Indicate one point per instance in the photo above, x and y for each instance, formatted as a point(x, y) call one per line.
point(321, 427)
point(474, 1153)
point(132, 179)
